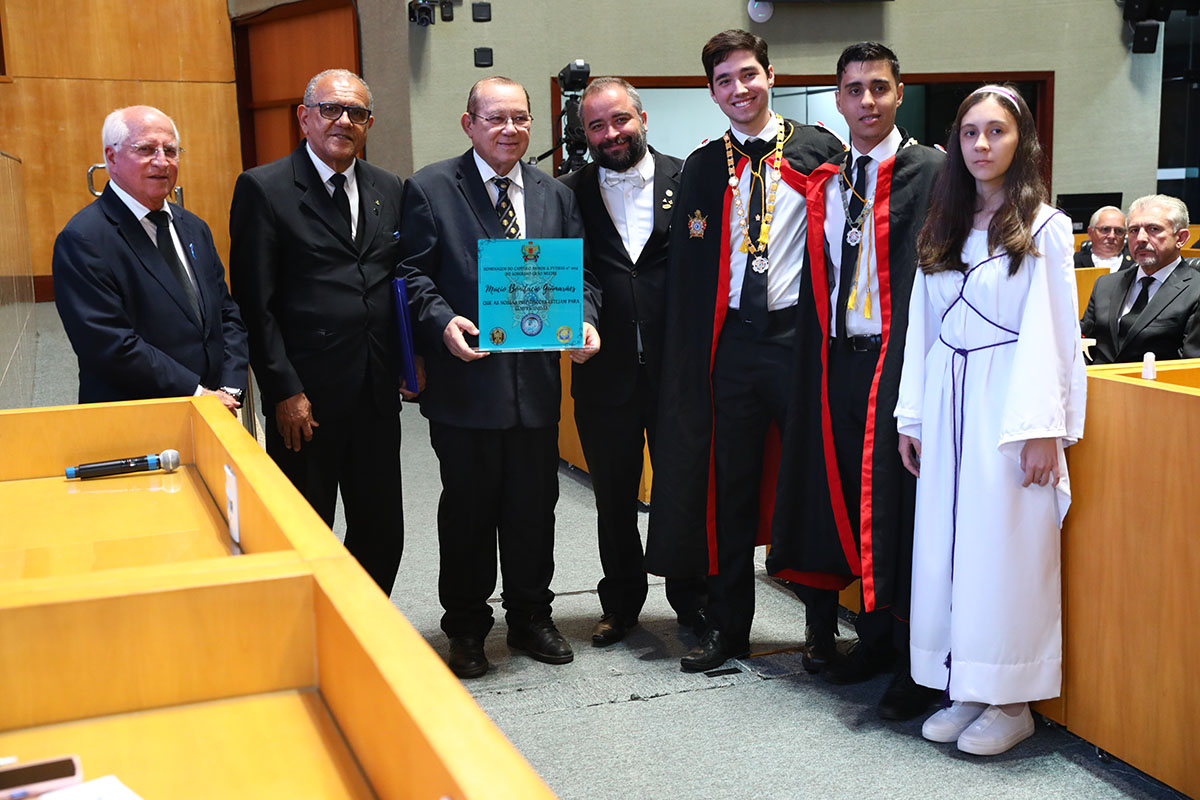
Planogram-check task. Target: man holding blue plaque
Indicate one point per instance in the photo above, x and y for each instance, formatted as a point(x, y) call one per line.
point(493, 417)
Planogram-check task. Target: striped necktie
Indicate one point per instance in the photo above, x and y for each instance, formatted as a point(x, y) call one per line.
point(505, 210)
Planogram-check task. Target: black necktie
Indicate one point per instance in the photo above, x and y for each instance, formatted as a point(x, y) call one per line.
point(341, 201)
point(850, 251)
point(166, 246)
point(753, 302)
point(1135, 310)
point(505, 210)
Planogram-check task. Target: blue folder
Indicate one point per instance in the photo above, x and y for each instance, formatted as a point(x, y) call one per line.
point(408, 358)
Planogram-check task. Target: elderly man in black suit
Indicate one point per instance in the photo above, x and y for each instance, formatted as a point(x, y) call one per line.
point(493, 419)
point(138, 283)
point(1106, 241)
point(1156, 307)
point(626, 195)
point(315, 241)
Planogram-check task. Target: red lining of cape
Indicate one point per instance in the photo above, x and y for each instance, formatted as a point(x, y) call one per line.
point(772, 445)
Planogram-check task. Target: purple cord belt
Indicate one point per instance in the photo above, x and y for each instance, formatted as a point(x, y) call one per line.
point(958, 410)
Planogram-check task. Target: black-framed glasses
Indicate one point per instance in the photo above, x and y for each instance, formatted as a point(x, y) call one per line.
point(500, 120)
point(1107, 230)
point(147, 150)
point(333, 112)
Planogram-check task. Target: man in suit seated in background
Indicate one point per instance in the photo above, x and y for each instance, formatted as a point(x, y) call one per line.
point(626, 195)
point(314, 245)
point(1156, 307)
point(138, 283)
point(493, 418)
point(1106, 245)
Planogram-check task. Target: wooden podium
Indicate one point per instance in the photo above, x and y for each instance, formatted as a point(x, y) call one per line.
point(133, 638)
point(1131, 543)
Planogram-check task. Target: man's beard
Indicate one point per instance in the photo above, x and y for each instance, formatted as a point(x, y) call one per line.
point(632, 155)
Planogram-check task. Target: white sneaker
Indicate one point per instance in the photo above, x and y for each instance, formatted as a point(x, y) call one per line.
point(996, 731)
point(949, 723)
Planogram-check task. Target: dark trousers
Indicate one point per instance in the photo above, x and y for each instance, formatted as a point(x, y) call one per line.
point(750, 380)
point(497, 486)
point(850, 375)
point(613, 438)
point(361, 455)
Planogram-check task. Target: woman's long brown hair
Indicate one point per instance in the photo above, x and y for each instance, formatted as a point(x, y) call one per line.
point(952, 201)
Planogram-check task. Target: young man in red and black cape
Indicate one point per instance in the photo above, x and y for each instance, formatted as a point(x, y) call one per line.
point(842, 486)
point(733, 277)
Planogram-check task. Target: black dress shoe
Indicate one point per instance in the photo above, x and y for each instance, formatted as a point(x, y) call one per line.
point(860, 664)
point(541, 641)
point(905, 699)
point(713, 651)
point(610, 630)
point(696, 621)
point(819, 651)
point(466, 657)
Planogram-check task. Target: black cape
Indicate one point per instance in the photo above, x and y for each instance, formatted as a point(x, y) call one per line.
point(812, 532)
point(681, 541)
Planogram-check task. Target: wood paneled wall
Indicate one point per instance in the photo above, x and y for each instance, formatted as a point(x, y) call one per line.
point(71, 63)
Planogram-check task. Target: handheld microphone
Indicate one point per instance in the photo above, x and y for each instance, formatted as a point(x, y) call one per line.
point(167, 461)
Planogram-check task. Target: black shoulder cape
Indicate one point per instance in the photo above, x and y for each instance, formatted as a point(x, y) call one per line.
point(811, 534)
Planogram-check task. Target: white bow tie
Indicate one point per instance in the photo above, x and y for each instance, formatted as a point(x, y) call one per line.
point(632, 177)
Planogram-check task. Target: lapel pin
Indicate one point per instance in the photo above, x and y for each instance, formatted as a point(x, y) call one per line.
point(192, 250)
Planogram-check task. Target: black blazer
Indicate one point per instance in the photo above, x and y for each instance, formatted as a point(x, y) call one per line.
point(1169, 325)
point(633, 293)
point(1083, 260)
point(318, 306)
point(446, 212)
point(128, 317)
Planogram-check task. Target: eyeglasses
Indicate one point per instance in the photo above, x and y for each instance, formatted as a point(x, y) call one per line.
point(500, 120)
point(147, 151)
point(333, 112)
point(1108, 230)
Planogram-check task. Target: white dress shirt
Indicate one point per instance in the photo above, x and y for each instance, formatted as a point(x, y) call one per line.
point(785, 247)
point(326, 172)
point(1112, 264)
point(836, 191)
point(629, 198)
point(141, 212)
point(1160, 277)
point(516, 189)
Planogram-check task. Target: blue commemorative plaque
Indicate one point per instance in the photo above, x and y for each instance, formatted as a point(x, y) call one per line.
point(530, 294)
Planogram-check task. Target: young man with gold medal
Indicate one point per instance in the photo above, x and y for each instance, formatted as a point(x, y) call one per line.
point(736, 254)
point(842, 486)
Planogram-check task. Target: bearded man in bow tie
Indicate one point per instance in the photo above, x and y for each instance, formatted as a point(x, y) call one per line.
point(627, 196)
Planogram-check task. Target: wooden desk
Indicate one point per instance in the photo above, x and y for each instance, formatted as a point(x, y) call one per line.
point(133, 638)
point(1130, 547)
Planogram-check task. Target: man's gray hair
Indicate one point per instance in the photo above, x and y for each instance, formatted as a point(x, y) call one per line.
point(1177, 213)
point(600, 84)
point(115, 130)
point(1096, 216)
point(310, 91)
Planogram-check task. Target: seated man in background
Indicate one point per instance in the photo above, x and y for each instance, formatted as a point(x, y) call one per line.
point(138, 283)
point(1106, 232)
point(1156, 307)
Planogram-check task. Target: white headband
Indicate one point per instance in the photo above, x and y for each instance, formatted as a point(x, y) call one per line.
point(991, 87)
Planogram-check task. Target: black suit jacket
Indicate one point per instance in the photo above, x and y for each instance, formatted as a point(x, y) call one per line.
point(127, 315)
point(1169, 325)
point(633, 293)
point(1083, 260)
point(318, 306)
point(446, 212)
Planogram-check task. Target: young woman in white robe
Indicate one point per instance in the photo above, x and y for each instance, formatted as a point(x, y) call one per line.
point(991, 392)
